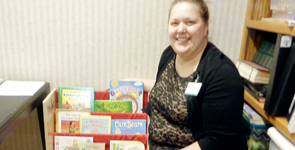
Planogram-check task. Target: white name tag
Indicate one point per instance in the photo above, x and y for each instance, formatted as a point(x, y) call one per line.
point(193, 88)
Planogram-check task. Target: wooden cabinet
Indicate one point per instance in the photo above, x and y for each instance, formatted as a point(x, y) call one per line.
point(255, 31)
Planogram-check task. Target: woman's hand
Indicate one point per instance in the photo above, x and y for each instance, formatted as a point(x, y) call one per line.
point(194, 146)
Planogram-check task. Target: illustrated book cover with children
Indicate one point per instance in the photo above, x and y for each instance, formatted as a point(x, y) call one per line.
point(128, 126)
point(92, 146)
point(128, 91)
point(70, 142)
point(95, 124)
point(112, 106)
point(68, 121)
point(126, 145)
point(76, 98)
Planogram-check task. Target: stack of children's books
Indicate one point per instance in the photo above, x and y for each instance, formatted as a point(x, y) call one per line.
point(258, 138)
point(78, 113)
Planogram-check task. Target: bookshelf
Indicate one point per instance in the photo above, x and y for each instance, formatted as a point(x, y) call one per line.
point(254, 32)
point(280, 123)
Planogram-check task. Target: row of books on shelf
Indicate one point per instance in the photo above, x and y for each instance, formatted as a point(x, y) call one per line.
point(257, 71)
point(81, 121)
point(84, 122)
point(252, 116)
point(125, 96)
point(86, 143)
point(269, 77)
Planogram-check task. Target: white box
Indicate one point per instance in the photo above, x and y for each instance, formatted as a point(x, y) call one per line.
point(283, 9)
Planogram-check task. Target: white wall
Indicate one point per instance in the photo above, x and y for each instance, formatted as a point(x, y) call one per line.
point(87, 43)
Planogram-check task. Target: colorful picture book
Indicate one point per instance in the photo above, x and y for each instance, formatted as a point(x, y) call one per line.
point(126, 145)
point(95, 124)
point(70, 142)
point(112, 106)
point(92, 146)
point(68, 121)
point(253, 116)
point(128, 91)
point(128, 126)
point(76, 98)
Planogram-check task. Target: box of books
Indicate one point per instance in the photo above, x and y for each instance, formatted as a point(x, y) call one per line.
point(90, 125)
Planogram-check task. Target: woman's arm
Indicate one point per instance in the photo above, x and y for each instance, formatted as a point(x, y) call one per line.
point(222, 109)
point(148, 84)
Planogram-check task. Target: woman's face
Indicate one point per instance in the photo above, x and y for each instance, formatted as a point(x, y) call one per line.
point(187, 30)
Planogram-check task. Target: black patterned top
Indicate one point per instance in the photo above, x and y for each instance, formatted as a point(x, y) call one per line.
point(169, 127)
point(213, 118)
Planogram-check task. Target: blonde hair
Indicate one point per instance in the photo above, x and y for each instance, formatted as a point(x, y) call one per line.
point(204, 11)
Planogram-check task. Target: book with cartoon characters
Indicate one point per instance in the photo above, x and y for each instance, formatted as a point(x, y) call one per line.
point(128, 126)
point(68, 121)
point(126, 145)
point(95, 124)
point(76, 98)
point(128, 91)
point(70, 142)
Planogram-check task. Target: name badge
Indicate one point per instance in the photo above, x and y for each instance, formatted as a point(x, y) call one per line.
point(193, 88)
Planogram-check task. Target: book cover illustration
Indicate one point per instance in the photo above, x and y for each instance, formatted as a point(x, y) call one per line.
point(70, 142)
point(128, 91)
point(128, 126)
point(68, 121)
point(76, 98)
point(95, 124)
point(112, 106)
point(92, 146)
point(126, 145)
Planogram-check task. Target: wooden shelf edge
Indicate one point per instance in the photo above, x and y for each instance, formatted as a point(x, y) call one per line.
point(270, 27)
point(280, 123)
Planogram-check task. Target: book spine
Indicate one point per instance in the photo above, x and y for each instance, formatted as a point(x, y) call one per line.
point(279, 58)
point(291, 109)
point(59, 97)
point(264, 54)
point(253, 75)
point(247, 71)
point(285, 88)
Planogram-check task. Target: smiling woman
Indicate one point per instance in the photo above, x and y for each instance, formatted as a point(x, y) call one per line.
point(197, 99)
point(187, 36)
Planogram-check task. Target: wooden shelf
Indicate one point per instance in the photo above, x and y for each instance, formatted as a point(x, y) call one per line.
point(280, 123)
point(270, 27)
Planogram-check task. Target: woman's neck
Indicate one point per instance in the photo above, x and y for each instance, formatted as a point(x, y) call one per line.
point(185, 66)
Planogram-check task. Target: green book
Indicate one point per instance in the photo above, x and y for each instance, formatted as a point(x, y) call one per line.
point(264, 54)
point(112, 106)
point(75, 98)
